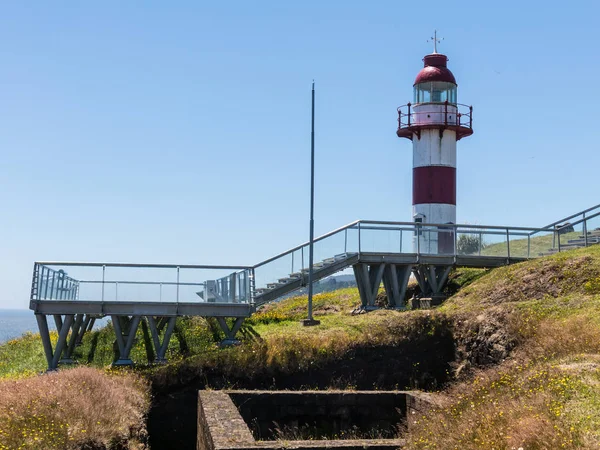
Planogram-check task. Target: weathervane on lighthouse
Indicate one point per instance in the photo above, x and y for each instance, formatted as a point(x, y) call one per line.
point(434, 122)
point(436, 41)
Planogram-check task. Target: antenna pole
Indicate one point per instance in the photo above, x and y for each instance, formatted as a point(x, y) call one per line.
point(309, 320)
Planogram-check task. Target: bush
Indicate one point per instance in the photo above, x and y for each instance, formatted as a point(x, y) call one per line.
point(468, 244)
point(73, 409)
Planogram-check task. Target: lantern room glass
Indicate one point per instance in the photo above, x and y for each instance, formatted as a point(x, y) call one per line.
point(435, 92)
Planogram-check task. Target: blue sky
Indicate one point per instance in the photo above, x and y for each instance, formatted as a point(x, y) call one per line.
point(179, 132)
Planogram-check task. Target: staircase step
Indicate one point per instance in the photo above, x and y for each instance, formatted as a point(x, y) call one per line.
point(260, 291)
point(341, 256)
point(287, 280)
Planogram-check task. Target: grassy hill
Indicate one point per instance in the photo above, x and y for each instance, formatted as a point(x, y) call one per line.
point(513, 355)
point(537, 244)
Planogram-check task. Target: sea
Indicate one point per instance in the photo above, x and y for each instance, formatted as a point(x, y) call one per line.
point(15, 322)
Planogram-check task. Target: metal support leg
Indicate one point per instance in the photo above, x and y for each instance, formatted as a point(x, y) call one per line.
point(92, 323)
point(161, 347)
point(431, 280)
point(395, 281)
point(62, 340)
point(45, 335)
point(68, 354)
point(83, 329)
point(58, 322)
point(368, 279)
point(125, 340)
point(360, 283)
point(230, 332)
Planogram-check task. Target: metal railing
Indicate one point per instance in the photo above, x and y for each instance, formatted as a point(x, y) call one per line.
point(562, 226)
point(368, 236)
point(446, 114)
point(239, 284)
point(162, 283)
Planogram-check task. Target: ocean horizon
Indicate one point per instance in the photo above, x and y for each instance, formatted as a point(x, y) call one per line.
point(15, 322)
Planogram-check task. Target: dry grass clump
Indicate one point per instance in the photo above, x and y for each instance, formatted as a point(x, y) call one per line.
point(77, 408)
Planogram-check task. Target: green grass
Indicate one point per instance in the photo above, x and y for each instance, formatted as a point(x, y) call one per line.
point(546, 312)
point(23, 356)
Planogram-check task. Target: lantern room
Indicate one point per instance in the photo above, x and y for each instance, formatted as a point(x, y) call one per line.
point(435, 83)
point(435, 102)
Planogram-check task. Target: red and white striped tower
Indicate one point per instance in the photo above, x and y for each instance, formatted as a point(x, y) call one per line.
point(434, 122)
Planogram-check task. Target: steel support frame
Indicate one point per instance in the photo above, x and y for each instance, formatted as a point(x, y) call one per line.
point(395, 282)
point(395, 277)
point(368, 278)
point(125, 329)
point(71, 328)
point(230, 333)
point(156, 325)
point(432, 279)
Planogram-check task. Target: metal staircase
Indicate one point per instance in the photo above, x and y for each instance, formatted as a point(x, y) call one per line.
point(299, 279)
point(578, 230)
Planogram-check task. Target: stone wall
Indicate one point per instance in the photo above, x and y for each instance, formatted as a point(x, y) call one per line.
point(224, 418)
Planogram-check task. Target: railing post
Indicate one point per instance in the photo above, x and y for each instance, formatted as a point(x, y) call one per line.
point(292, 263)
point(52, 285)
point(302, 250)
point(508, 243)
point(160, 292)
point(480, 239)
point(252, 287)
point(471, 117)
point(400, 240)
point(359, 240)
point(558, 234)
point(103, 277)
point(528, 246)
point(46, 283)
point(116, 291)
point(408, 104)
point(585, 230)
point(346, 240)
point(454, 239)
point(177, 284)
point(446, 112)
point(418, 240)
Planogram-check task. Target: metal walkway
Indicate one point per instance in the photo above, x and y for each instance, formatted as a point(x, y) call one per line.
point(74, 294)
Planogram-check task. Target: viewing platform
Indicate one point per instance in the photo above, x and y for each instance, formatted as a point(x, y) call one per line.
point(75, 294)
point(413, 118)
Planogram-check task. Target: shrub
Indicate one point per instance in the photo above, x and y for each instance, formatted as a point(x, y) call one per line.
point(73, 409)
point(468, 244)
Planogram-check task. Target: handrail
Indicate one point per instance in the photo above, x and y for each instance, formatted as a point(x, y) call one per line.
point(570, 217)
point(164, 283)
point(584, 219)
point(411, 225)
point(450, 225)
point(461, 112)
point(298, 247)
point(139, 265)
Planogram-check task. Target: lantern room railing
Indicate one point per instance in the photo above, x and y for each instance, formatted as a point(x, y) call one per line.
point(414, 117)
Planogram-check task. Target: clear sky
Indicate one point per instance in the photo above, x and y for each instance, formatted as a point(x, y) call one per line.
point(179, 132)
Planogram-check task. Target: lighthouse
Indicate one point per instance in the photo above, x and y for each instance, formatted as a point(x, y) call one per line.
point(434, 121)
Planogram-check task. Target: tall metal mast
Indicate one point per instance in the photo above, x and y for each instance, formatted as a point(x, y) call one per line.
point(310, 321)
